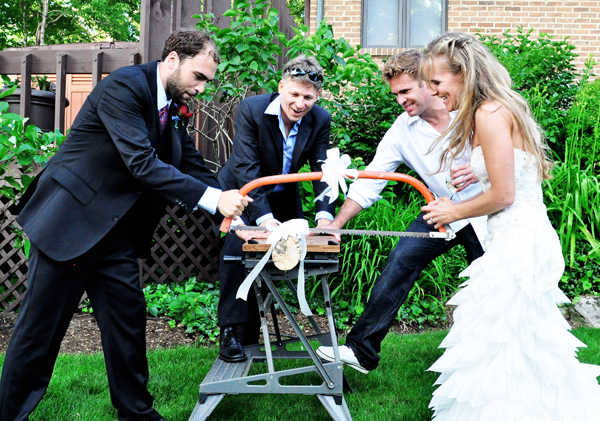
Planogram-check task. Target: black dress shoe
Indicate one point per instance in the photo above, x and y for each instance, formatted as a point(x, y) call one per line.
point(231, 349)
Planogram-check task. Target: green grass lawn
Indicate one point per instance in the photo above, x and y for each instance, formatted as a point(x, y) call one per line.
point(399, 389)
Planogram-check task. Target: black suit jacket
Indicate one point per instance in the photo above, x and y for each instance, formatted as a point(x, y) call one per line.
point(109, 165)
point(258, 152)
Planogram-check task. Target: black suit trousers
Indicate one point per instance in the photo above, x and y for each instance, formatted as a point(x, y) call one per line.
point(234, 311)
point(109, 273)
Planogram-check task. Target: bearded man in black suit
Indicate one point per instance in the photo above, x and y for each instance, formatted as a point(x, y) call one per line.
point(91, 213)
point(275, 134)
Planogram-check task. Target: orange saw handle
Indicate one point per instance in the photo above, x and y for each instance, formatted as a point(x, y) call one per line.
point(312, 176)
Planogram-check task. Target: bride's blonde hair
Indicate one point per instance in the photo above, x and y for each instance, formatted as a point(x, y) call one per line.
point(484, 79)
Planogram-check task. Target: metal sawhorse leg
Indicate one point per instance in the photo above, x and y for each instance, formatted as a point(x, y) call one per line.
point(234, 378)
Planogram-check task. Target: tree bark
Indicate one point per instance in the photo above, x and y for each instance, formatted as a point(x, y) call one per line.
point(42, 27)
point(25, 15)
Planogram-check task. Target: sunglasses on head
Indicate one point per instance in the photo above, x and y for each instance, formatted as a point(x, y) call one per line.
point(312, 76)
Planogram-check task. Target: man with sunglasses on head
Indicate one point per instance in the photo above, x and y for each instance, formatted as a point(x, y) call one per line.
point(274, 134)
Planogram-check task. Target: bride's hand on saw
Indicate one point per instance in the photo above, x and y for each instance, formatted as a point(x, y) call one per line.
point(439, 212)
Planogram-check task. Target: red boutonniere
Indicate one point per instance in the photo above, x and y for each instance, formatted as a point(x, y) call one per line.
point(184, 112)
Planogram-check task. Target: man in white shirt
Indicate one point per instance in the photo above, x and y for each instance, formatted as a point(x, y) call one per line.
point(411, 140)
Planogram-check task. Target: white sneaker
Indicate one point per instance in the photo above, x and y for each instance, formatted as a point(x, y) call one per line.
point(346, 355)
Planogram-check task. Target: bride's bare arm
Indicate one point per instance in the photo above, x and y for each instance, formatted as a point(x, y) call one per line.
point(494, 133)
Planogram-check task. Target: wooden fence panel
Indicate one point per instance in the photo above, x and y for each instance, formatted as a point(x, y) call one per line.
point(13, 265)
point(185, 245)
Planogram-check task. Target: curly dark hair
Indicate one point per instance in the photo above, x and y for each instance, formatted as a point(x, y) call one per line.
point(188, 43)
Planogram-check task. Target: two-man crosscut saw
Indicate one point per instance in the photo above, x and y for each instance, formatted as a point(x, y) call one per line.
point(443, 232)
point(448, 235)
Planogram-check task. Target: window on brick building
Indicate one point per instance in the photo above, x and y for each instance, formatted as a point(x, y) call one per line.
point(402, 23)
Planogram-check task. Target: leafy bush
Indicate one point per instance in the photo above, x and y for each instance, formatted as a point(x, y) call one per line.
point(354, 92)
point(583, 126)
point(583, 277)
point(250, 49)
point(192, 304)
point(296, 8)
point(542, 70)
point(23, 152)
point(573, 195)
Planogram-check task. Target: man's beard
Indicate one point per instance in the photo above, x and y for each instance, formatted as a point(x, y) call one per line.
point(175, 88)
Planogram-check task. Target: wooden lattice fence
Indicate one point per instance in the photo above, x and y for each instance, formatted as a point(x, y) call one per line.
point(13, 264)
point(185, 245)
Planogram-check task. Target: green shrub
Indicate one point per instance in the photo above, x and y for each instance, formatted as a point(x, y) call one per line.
point(192, 304)
point(354, 92)
point(583, 277)
point(542, 70)
point(583, 126)
point(250, 49)
point(24, 150)
point(572, 197)
point(573, 194)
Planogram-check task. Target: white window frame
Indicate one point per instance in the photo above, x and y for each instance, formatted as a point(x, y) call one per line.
point(404, 18)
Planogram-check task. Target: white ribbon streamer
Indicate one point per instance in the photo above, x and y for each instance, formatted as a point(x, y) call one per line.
point(335, 171)
point(298, 228)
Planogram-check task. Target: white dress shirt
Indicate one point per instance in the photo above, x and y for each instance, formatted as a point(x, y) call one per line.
point(210, 198)
point(409, 141)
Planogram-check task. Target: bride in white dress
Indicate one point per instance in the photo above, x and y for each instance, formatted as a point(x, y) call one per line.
point(509, 355)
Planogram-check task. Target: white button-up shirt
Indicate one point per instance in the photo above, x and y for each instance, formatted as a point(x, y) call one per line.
point(409, 141)
point(210, 199)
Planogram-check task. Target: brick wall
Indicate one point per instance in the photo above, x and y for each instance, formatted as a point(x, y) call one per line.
point(579, 20)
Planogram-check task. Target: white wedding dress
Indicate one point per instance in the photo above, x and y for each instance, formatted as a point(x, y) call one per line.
point(509, 355)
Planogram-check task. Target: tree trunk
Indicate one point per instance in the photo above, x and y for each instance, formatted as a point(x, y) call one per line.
point(25, 15)
point(42, 27)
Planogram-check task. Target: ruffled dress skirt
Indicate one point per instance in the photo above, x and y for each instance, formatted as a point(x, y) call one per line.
point(510, 355)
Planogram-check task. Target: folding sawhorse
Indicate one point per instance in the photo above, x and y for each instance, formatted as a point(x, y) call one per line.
point(233, 378)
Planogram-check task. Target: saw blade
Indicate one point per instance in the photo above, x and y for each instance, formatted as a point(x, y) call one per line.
point(449, 235)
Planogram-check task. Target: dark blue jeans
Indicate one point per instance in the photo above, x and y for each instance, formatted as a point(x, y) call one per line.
point(405, 264)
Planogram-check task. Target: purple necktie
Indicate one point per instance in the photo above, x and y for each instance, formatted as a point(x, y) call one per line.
point(162, 115)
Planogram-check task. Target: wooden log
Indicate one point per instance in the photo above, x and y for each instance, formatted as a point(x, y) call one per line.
point(314, 243)
point(286, 253)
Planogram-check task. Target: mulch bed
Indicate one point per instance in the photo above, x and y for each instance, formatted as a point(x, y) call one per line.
point(83, 335)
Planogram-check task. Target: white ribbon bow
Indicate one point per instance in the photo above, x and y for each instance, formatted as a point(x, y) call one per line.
point(297, 228)
point(335, 171)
